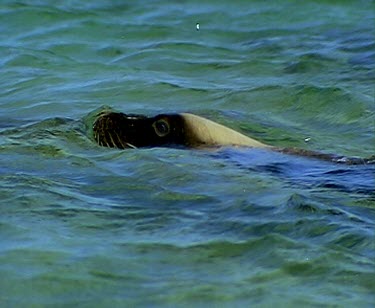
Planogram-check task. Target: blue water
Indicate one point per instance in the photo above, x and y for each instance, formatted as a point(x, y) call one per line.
point(87, 226)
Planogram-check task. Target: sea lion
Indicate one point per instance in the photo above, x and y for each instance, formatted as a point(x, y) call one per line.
point(120, 130)
point(114, 129)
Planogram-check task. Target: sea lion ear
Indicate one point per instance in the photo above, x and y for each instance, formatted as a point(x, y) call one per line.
point(162, 127)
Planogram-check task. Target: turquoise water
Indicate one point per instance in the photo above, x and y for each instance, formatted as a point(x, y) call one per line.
point(86, 226)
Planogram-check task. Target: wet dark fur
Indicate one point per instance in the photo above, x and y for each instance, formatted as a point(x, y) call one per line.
point(119, 130)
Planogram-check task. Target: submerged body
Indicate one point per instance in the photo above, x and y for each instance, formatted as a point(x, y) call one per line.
point(119, 130)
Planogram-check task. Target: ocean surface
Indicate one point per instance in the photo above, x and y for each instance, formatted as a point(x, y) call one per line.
point(87, 226)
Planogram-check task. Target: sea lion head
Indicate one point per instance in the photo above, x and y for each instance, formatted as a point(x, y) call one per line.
point(120, 130)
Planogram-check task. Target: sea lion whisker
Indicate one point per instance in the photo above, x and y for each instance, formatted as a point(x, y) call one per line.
point(130, 145)
point(105, 142)
point(110, 137)
point(99, 139)
point(120, 141)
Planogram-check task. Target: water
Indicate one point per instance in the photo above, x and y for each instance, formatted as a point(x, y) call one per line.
point(86, 226)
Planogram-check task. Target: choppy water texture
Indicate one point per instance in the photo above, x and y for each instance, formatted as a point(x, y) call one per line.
point(87, 226)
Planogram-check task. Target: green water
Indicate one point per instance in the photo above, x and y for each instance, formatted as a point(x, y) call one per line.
point(86, 226)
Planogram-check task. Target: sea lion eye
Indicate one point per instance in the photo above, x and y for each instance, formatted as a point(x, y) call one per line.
point(161, 127)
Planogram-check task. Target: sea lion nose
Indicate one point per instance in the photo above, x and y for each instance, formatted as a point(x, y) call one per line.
point(108, 130)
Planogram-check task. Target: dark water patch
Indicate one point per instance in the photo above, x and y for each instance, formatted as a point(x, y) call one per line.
point(300, 203)
point(366, 59)
point(110, 52)
point(308, 63)
point(49, 138)
point(181, 88)
point(214, 249)
point(306, 205)
point(34, 61)
point(181, 47)
point(358, 41)
point(36, 16)
point(326, 100)
point(352, 240)
point(304, 171)
point(274, 168)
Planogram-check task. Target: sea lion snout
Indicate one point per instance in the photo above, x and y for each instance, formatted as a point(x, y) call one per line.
point(123, 131)
point(109, 130)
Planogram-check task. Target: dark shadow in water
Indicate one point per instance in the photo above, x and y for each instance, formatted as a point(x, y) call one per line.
point(304, 171)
